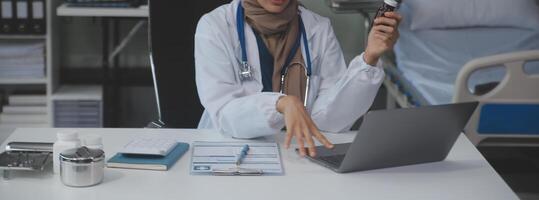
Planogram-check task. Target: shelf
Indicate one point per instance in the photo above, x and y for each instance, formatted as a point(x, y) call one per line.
point(345, 6)
point(24, 37)
point(78, 92)
point(66, 11)
point(22, 81)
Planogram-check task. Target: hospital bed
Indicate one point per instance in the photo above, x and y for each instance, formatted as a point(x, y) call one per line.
point(497, 66)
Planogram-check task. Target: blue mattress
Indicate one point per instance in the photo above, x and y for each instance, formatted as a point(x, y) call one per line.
point(431, 59)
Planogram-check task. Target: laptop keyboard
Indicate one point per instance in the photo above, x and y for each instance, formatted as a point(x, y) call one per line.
point(334, 160)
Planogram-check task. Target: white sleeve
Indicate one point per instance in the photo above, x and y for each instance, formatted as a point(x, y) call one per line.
point(345, 94)
point(233, 111)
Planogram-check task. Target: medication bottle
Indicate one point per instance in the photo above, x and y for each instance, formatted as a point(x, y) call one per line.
point(92, 142)
point(387, 6)
point(68, 139)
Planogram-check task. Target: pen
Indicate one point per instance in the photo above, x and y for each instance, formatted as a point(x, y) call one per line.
point(242, 154)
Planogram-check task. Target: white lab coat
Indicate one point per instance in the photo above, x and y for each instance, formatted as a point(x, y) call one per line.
point(338, 94)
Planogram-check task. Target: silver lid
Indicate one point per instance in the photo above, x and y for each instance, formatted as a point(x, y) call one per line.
point(393, 3)
point(82, 155)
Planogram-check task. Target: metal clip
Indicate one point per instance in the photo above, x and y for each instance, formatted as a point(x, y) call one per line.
point(237, 172)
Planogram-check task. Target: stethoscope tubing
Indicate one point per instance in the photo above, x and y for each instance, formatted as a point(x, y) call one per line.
point(245, 68)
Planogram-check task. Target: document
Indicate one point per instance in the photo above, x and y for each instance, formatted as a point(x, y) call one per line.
point(210, 156)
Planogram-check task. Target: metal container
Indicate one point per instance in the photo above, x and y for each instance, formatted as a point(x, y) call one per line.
point(82, 167)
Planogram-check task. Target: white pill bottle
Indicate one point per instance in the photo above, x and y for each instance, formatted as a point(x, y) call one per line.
point(66, 139)
point(92, 141)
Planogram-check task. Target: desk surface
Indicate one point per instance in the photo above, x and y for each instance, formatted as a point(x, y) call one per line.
point(465, 174)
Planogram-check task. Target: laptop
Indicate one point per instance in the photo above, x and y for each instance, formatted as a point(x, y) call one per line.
point(391, 138)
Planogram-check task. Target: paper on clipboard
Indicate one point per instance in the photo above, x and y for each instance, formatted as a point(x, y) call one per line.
point(209, 156)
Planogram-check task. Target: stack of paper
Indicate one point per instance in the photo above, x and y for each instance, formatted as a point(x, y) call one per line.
point(77, 113)
point(10, 109)
point(24, 111)
point(27, 100)
point(22, 59)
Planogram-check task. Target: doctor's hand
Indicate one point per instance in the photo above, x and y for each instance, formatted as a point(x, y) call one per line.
point(300, 125)
point(383, 36)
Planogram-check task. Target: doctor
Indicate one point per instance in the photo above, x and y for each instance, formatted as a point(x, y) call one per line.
point(262, 65)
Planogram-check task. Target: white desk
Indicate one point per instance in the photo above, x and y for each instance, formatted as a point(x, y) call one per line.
point(464, 175)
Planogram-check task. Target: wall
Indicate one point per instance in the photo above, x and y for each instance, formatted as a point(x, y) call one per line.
point(348, 27)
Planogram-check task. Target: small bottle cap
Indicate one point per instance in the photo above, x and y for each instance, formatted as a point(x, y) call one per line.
point(92, 140)
point(393, 3)
point(67, 135)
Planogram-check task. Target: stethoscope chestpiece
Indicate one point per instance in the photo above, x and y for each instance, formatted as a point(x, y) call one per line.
point(245, 71)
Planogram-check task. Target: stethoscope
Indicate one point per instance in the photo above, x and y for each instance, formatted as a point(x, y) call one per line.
point(245, 69)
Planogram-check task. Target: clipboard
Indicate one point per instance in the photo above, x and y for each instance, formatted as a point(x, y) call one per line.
point(218, 159)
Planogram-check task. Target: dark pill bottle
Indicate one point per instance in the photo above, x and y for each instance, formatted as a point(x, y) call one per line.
point(387, 6)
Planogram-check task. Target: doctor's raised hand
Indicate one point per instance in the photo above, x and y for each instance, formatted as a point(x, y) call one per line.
point(383, 36)
point(262, 65)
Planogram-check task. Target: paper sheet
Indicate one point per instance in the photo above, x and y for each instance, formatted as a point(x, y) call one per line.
point(222, 155)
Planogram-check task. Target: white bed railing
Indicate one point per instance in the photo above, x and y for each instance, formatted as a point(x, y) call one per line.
point(516, 87)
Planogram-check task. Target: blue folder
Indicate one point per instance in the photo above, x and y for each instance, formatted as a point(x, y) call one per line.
point(149, 162)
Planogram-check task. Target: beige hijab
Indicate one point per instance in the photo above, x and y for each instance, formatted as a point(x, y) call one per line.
point(279, 32)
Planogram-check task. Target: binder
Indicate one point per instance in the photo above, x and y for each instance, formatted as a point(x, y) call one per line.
point(7, 16)
point(21, 16)
point(37, 16)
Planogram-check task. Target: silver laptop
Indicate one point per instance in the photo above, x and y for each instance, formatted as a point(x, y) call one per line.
point(391, 138)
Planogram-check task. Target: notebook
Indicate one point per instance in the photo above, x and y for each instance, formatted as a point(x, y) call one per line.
point(148, 162)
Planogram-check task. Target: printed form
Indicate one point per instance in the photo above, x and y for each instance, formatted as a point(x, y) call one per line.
point(210, 156)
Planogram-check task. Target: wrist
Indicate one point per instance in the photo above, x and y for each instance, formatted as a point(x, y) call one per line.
point(280, 104)
point(285, 101)
point(370, 58)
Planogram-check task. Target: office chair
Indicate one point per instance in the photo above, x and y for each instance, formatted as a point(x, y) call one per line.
point(172, 26)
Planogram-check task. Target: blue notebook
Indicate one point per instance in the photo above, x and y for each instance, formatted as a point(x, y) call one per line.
point(150, 162)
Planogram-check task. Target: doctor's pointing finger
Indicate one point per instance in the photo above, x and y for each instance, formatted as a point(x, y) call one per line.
point(265, 65)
